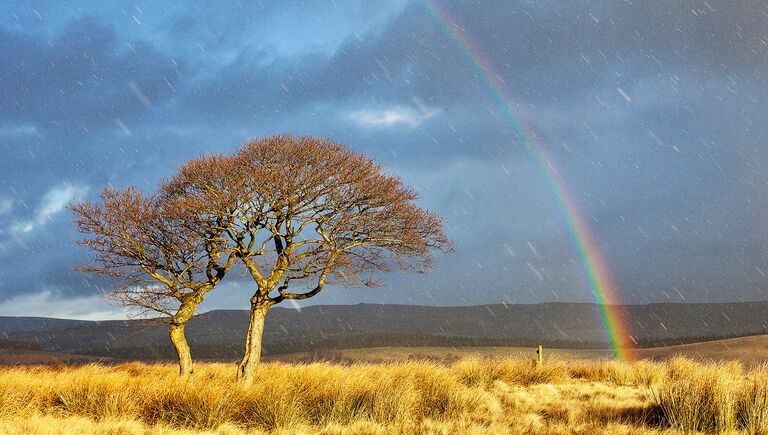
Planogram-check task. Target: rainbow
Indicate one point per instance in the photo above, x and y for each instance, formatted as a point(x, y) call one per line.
point(599, 279)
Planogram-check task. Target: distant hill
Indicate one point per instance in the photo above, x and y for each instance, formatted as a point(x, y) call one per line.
point(220, 334)
point(31, 324)
point(14, 345)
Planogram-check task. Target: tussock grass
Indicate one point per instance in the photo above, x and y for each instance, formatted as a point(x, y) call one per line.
point(719, 397)
point(644, 372)
point(752, 403)
point(473, 395)
point(484, 372)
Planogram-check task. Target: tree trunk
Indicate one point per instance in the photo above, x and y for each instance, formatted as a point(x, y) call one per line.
point(246, 371)
point(182, 348)
point(176, 331)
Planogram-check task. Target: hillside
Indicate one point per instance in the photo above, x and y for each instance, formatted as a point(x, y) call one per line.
point(219, 334)
point(752, 351)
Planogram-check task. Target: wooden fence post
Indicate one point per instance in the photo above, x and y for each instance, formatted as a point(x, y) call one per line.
point(540, 355)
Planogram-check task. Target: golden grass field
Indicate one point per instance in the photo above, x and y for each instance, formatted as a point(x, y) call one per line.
point(473, 395)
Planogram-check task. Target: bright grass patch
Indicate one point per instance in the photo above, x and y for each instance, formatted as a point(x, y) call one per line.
point(473, 395)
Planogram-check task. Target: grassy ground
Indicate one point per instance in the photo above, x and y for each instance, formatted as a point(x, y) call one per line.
point(752, 351)
point(438, 354)
point(475, 395)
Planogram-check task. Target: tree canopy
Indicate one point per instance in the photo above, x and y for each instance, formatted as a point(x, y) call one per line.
point(299, 213)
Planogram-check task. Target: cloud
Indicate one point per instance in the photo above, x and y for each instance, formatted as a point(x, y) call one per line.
point(53, 202)
point(385, 118)
point(49, 303)
point(18, 130)
point(83, 77)
point(6, 205)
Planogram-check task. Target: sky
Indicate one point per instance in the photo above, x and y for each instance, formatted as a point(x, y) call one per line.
point(654, 115)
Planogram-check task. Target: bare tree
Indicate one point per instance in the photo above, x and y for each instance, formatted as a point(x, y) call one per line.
point(309, 212)
point(164, 255)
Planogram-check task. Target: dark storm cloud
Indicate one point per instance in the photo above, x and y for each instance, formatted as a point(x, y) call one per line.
point(75, 95)
point(82, 79)
point(653, 112)
point(560, 58)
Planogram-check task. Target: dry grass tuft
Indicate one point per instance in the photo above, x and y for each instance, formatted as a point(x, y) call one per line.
point(752, 403)
point(484, 372)
point(719, 397)
point(471, 396)
point(644, 372)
